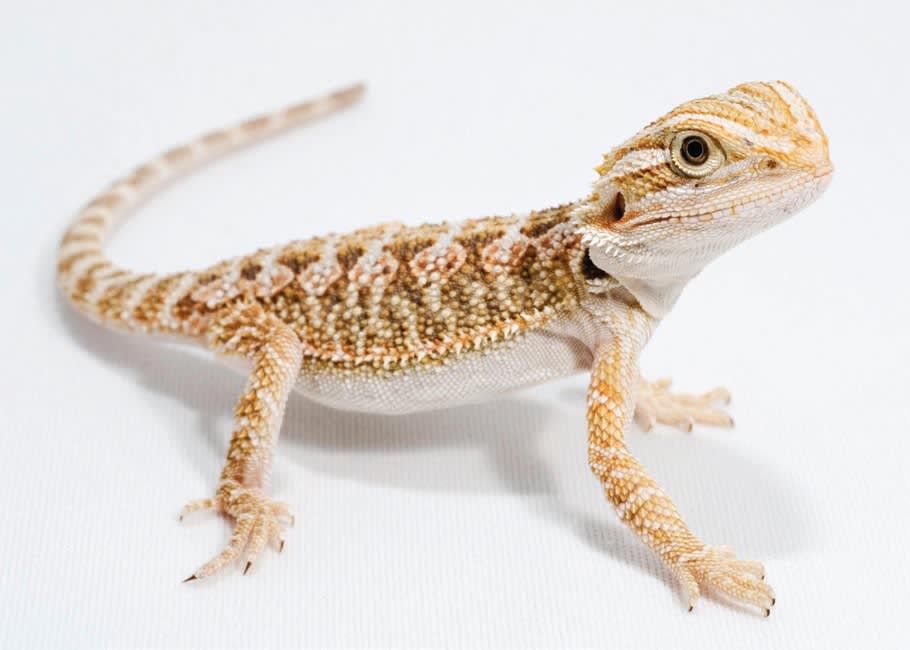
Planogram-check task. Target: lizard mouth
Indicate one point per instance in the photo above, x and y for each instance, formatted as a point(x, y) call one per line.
point(651, 222)
point(800, 192)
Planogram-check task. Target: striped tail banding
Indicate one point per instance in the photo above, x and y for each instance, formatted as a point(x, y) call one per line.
point(141, 301)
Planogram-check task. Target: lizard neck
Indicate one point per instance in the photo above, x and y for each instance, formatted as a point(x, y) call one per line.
point(656, 298)
point(656, 294)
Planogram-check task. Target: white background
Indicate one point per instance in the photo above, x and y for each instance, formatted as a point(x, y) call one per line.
point(478, 526)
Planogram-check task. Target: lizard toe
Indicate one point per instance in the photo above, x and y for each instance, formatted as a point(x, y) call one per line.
point(656, 403)
point(719, 569)
point(258, 520)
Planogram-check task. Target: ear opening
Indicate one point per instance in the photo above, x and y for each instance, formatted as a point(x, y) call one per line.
point(619, 207)
point(614, 210)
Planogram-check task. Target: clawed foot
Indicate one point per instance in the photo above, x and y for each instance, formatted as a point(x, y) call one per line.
point(717, 567)
point(258, 520)
point(655, 403)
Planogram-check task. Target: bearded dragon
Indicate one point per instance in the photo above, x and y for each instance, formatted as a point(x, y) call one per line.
point(395, 318)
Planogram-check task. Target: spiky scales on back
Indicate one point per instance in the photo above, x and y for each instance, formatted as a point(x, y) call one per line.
point(378, 299)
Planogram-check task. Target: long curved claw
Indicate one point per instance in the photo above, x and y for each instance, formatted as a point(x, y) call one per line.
point(718, 568)
point(258, 520)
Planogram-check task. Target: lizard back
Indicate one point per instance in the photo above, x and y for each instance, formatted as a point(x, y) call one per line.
point(386, 298)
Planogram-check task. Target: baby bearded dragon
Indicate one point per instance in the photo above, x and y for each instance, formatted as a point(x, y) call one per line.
point(394, 319)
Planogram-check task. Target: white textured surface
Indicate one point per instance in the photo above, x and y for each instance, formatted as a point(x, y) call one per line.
point(478, 526)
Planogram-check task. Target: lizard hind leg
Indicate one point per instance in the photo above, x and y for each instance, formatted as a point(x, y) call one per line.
point(656, 403)
point(276, 353)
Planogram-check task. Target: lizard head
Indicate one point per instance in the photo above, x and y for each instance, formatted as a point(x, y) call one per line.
point(702, 178)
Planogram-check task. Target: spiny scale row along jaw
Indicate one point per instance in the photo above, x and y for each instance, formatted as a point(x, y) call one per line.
point(702, 178)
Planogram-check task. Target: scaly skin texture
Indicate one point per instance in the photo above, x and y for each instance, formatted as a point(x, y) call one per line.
point(396, 318)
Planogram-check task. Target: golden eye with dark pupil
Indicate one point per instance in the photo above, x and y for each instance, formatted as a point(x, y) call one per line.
point(694, 150)
point(694, 154)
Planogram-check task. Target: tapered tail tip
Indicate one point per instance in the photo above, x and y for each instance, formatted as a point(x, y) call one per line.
point(350, 93)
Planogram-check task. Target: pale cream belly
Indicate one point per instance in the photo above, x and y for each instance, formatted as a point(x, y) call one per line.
point(563, 348)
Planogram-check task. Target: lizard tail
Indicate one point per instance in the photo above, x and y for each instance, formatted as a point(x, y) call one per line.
point(107, 293)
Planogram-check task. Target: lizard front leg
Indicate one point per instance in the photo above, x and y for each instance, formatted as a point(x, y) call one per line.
point(656, 403)
point(638, 499)
point(276, 353)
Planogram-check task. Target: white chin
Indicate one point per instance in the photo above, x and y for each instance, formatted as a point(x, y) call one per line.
point(660, 263)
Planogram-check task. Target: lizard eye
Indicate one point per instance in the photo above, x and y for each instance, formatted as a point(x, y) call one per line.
point(695, 154)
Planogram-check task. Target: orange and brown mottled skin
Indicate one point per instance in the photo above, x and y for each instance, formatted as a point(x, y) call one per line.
point(421, 310)
point(403, 307)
